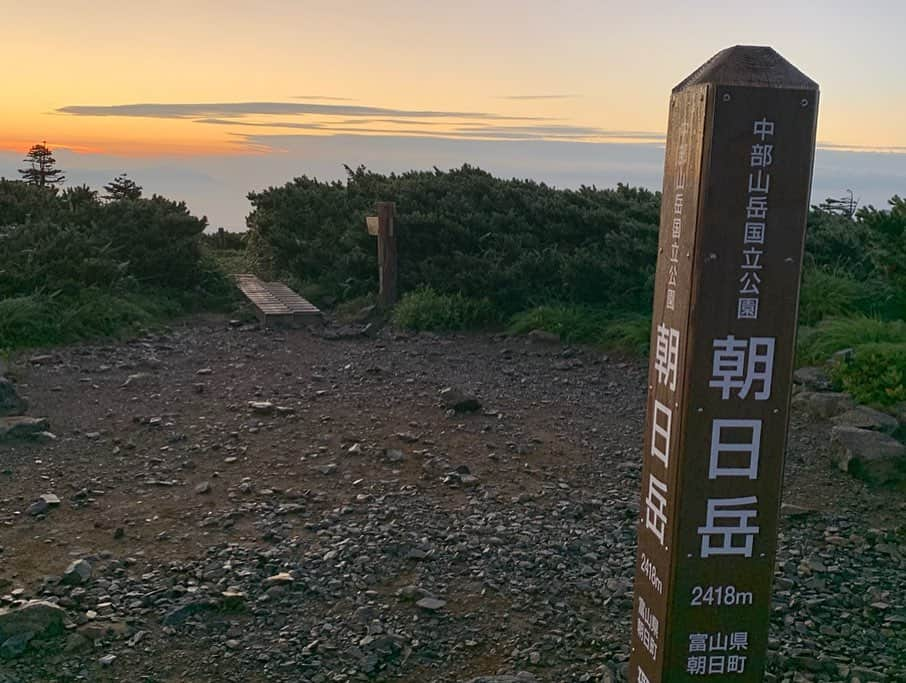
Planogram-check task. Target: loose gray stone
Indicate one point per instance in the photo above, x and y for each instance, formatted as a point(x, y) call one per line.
point(544, 337)
point(10, 401)
point(178, 615)
point(21, 427)
point(77, 573)
point(824, 404)
point(51, 499)
point(39, 507)
point(431, 604)
point(869, 455)
point(261, 407)
point(521, 677)
point(459, 400)
point(864, 417)
point(36, 616)
point(138, 379)
point(393, 455)
point(812, 378)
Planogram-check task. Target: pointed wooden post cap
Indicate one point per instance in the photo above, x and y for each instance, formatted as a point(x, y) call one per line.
point(749, 66)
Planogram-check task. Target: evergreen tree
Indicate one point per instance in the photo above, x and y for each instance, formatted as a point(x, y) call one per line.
point(42, 169)
point(122, 187)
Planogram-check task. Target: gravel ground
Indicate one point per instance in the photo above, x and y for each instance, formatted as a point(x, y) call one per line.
point(240, 505)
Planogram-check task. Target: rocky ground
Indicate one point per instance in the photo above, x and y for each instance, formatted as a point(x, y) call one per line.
point(226, 504)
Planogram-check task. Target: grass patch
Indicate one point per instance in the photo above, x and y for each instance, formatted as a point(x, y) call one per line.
point(425, 309)
point(47, 320)
point(835, 292)
point(629, 333)
point(817, 344)
point(231, 261)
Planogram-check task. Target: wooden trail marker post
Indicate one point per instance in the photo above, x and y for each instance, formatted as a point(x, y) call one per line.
point(740, 148)
point(382, 226)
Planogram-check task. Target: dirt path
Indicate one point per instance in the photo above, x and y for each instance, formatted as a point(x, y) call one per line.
point(367, 495)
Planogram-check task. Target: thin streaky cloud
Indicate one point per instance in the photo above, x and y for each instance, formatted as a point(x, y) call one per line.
point(538, 97)
point(588, 131)
point(473, 131)
point(325, 98)
point(240, 109)
point(893, 149)
point(275, 140)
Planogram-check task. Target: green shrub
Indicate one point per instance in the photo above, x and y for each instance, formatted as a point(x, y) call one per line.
point(517, 242)
point(573, 324)
point(425, 309)
point(28, 321)
point(44, 320)
point(817, 344)
point(876, 373)
point(834, 292)
point(74, 267)
point(630, 333)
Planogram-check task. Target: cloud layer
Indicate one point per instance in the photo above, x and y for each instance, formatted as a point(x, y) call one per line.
point(240, 109)
point(343, 119)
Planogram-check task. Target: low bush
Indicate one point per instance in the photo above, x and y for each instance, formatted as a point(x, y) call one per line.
point(817, 344)
point(425, 309)
point(834, 292)
point(517, 242)
point(875, 374)
point(46, 319)
point(73, 266)
point(573, 324)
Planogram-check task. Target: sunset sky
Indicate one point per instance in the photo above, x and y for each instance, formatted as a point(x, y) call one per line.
point(205, 101)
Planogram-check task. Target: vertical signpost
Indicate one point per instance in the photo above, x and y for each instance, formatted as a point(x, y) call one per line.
point(382, 226)
point(740, 148)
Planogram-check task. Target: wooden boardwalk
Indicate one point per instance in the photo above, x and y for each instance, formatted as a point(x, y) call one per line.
point(276, 303)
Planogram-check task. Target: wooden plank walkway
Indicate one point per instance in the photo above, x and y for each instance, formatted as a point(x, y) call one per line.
point(275, 302)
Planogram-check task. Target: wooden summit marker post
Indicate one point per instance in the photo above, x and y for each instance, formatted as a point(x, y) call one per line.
point(382, 226)
point(740, 147)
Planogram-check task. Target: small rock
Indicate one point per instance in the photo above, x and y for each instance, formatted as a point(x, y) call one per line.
point(544, 337)
point(282, 578)
point(51, 499)
point(39, 507)
point(790, 510)
point(392, 455)
point(107, 660)
point(77, 573)
point(177, 616)
point(261, 407)
point(36, 616)
point(812, 378)
point(869, 455)
point(22, 427)
point(864, 417)
point(431, 604)
point(460, 401)
point(136, 379)
point(824, 404)
point(203, 488)
point(10, 401)
point(204, 371)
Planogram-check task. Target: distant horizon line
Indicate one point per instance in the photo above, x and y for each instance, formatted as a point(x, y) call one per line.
point(255, 148)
